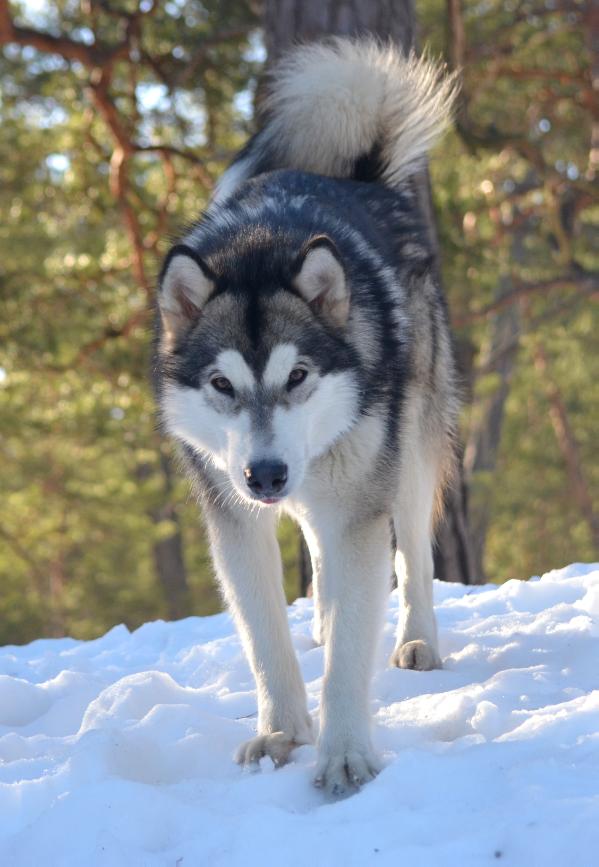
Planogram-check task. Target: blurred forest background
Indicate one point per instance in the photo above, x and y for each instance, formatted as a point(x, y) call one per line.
point(117, 118)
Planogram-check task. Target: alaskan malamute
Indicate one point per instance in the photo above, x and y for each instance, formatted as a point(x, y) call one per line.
point(305, 365)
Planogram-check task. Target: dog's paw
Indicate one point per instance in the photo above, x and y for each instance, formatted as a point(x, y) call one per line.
point(277, 745)
point(416, 655)
point(343, 772)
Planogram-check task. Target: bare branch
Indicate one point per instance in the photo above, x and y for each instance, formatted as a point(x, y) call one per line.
point(169, 150)
point(97, 54)
point(587, 283)
point(531, 326)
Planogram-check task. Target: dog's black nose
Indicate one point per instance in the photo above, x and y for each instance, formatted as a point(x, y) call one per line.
point(266, 478)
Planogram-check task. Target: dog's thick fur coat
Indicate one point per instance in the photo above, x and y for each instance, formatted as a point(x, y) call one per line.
point(304, 363)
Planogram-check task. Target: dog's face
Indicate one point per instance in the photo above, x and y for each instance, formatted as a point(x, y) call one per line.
point(260, 384)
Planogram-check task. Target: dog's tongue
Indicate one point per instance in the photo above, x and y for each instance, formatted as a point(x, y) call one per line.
point(270, 500)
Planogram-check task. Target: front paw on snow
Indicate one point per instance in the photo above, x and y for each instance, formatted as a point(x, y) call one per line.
point(342, 773)
point(277, 745)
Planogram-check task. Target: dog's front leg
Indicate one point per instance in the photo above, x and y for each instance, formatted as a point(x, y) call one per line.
point(248, 565)
point(354, 585)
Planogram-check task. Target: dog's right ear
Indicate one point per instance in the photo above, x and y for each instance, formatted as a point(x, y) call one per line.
point(185, 285)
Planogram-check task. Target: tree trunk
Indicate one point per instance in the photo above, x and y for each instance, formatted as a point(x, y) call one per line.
point(168, 552)
point(452, 554)
point(567, 443)
point(289, 21)
point(480, 458)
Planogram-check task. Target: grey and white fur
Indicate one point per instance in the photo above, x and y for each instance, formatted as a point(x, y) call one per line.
point(304, 363)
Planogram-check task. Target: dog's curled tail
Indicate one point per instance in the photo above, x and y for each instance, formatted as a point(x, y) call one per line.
point(347, 108)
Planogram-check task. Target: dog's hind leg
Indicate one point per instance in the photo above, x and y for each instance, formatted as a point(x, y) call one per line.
point(417, 645)
point(248, 565)
point(317, 600)
point(317, 622)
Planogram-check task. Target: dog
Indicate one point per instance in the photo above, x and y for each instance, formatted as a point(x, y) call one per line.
point(304, 363)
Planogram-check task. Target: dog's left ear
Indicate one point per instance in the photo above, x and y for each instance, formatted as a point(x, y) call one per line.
point(320, 279)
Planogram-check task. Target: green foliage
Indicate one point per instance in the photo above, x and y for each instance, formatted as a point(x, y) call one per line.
point(88, 200)
point(83, 480)
point(515, 200)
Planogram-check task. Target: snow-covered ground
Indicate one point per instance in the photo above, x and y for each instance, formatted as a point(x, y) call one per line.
point(118, 751)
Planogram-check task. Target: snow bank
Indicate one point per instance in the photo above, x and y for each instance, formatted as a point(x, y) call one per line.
point(118, 751)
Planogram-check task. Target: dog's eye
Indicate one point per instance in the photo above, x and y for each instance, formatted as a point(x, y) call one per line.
point(297, 375)
point(222, 384)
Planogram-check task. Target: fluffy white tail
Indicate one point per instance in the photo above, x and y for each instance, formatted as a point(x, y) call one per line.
point(329, 105)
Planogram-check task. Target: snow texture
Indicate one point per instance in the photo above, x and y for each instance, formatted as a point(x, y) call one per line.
point(118, 751)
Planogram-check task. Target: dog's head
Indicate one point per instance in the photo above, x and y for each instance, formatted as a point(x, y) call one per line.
point(258, 375)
